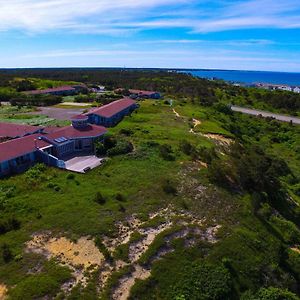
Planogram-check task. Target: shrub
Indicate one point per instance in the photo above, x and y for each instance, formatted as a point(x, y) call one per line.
point(122, 208)
point(9, 224)
point(122, 147)
point(120, 197)
point(99, 198)
point(109, 142)
point(127, 132)
point(6, 254)
point(100, 149)
point(203, 281)
point(103, 249)
point(169, 188)
point(71, 176)
point(186, 147)
point(207, 154)
point(166, 152)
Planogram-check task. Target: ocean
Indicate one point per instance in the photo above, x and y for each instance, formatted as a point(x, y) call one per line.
point(248, 77)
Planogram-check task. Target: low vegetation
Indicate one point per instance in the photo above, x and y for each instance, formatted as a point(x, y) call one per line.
point(202, 204)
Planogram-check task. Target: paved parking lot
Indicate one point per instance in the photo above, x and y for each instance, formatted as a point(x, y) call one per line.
point(81, 163)
point(58, 113)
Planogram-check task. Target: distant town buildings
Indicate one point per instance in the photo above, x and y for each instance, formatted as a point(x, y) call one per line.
point(275, 87)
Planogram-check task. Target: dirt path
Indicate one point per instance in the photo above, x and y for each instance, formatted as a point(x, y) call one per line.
point(3, 291)
point(220, 138)
point(176, 113)
point(128, 281)
point(136, 250)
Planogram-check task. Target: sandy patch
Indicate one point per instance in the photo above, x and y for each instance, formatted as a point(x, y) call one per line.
point(3, 291)
point(82, 253)
point(75, 104)
point(296, 249)
point(176, 113)
point(125, 230)
point(196, 122)
point(220, 138)
point(80, 257)
point(122, 292)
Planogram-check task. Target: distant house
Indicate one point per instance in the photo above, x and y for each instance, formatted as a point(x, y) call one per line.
point(49, 146)
point(136, 94)
point(285, 88)
point(296, 90)
point(58, 91)
point(111, 114)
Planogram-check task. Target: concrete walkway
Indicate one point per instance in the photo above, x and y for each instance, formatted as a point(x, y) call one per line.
point(266, 114)
point(81, 163)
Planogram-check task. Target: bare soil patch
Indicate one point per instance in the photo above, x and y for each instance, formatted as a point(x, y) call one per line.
point(296, 249)
point(3, 291)
point(80, 256)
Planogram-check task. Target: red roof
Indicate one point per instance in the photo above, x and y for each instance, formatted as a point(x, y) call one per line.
point(18, 147)
point(70, 132)
point(52, 90)
point(16, 130)
point(112, 108)
point(140, 92)
point(79, 117)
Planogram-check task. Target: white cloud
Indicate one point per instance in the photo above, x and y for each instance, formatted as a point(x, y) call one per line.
point(120, 16)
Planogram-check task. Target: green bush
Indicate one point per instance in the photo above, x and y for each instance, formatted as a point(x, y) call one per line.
point(71, 176)
point(186, 147)
point(103, 249)
point(166, 152)
point(169, 188)
point(100, 149)
point(8, 224)
point(120, 197)
point(203, 281)
point(122, 147)
point(99, 198)
point(5, 253)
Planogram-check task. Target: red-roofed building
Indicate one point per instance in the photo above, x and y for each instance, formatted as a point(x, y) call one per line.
point(11, 130)
point(50, 146)
point(136, 94)
point(110, 114)
point(58, 91)
point(19, 154)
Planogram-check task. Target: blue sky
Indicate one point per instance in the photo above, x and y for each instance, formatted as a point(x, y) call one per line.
point(217, 34)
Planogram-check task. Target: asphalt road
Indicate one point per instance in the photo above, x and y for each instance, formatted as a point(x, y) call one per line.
point(266, 114)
